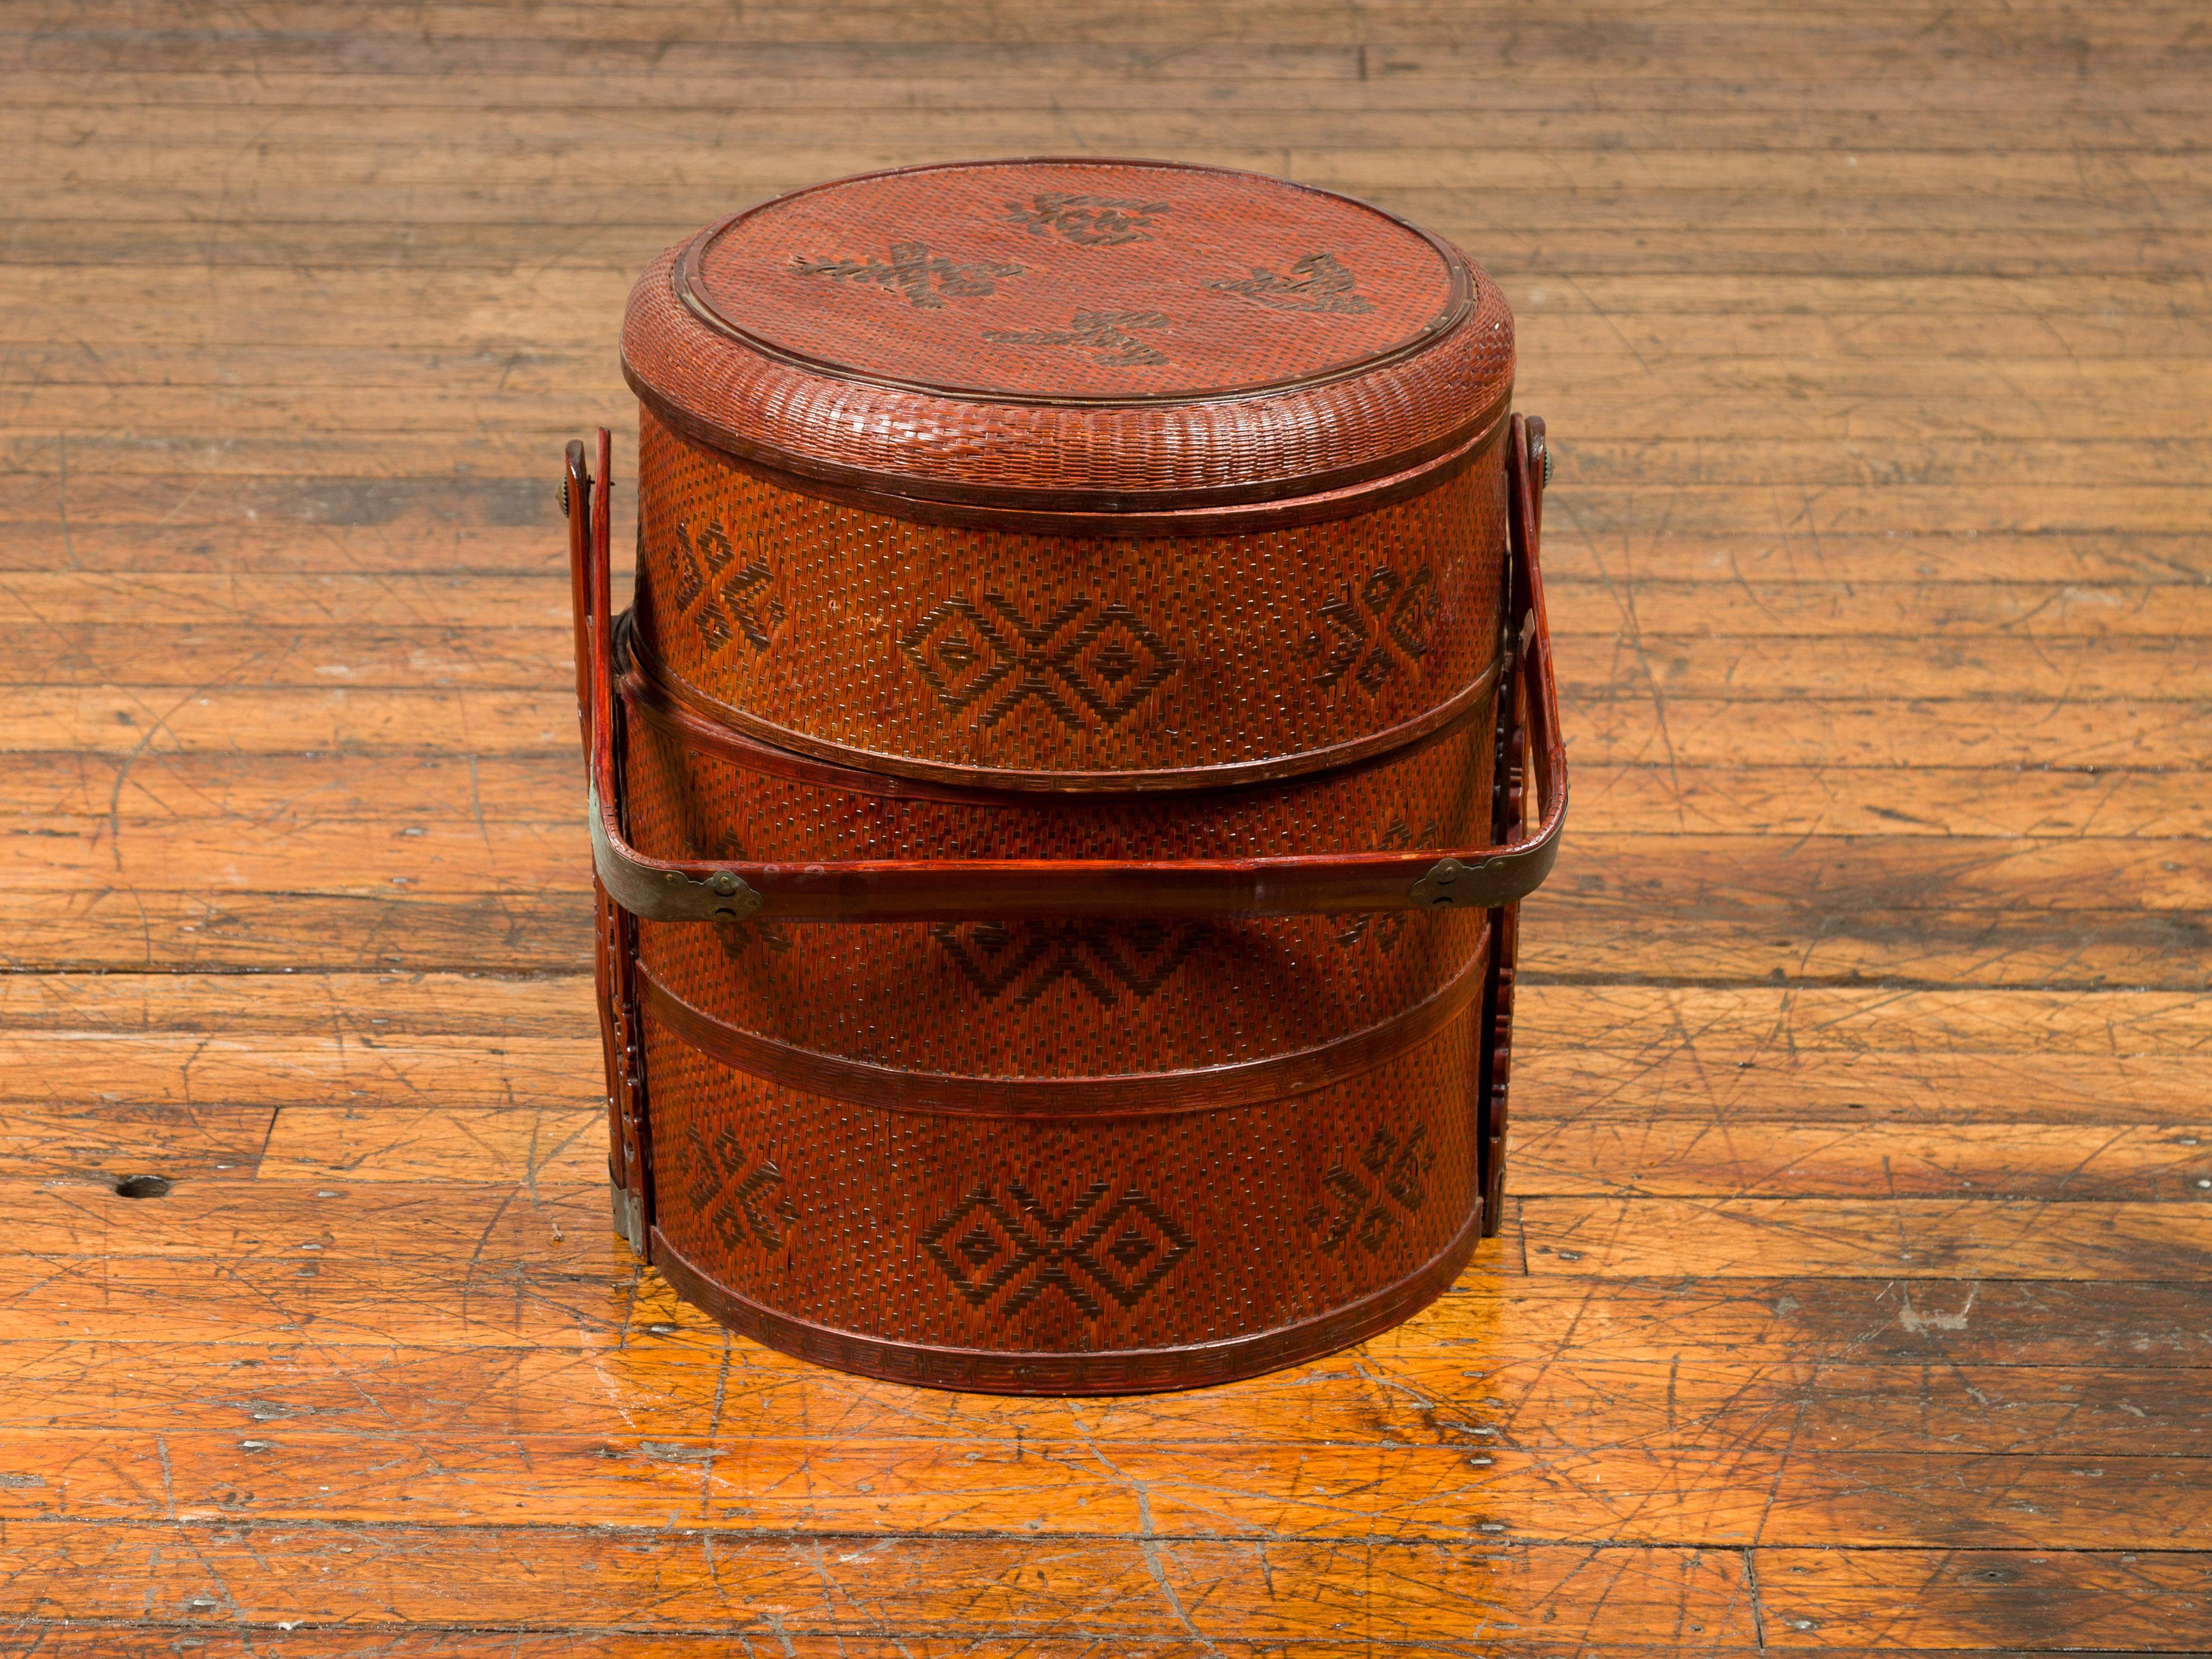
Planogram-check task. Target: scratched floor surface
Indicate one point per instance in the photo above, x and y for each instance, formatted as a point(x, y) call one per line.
point(1853, 1294)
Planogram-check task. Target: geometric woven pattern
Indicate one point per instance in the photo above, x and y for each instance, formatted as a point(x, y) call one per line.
point(1029, 958)
point(718, 1165)
point(1379, 635)
point(986, 1245)
point(1369, 1209)
point(743, 603)
point(1078, 658)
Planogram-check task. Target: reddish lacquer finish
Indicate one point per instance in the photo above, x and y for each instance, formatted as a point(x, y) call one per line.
point(1062, 785)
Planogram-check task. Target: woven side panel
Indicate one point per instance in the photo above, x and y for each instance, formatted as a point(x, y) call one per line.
point(1074, 999)
point(1000, 650)
point(1063, 1238)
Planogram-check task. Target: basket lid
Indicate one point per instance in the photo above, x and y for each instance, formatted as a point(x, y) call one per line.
point(1075, 337)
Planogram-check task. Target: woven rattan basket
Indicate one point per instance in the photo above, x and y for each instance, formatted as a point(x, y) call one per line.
point(1058, 795)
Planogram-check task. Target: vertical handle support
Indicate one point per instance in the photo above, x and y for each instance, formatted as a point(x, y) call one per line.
point(1529, 469)
point(586, 495)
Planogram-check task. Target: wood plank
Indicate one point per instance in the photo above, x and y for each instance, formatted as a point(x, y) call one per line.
point(378, 1007)
point(1837, 315)
point(81, 1140)
point(1492, 1316)
point(1089, 1590)
point(538, 314)
point(368, 1140)
point(60, 855)
point(1769, 1023)
point(2014, 682)
point(2147, 1602)
point(360, 1640)
point(1853, 499)
point(524, 932)
point(1407, 1390)
point(866, 24)
point(1818, 1409)
point(1003, 118)
point(1762, 1023)
point(2105, 708)
point(1717, 873)
point(2085, 1101)
point(401, 789)
point(501, 1302)
point(867, 21)
point(1572, 555)
point(2089, 804)
point(944, 1488)
point(544, 314)
point(1842, 418)
point(1825, 1061)
point(2009, 1160)
point(250, 793)
point(1872, 732)
point(625, 235)
point(124, 720)
point(1833, 417)
point(1903, 947)
point(1571, 1320)
point(215, 657)
point(527, 1145)
point(673, 114)
point(669, 96)
point(417, 1106)
point(2099, 1126)
point(2054, 1124)
point(1935, 63)
point(199, 931)
point(81, 1641)
point(148, 800)
point(1908, 1237)
point(430, 1129)
point(489, 606)
point(1451, 194)
point(335, 524)
point(306, 1222)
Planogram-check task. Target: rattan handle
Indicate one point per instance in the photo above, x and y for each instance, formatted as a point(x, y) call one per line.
point(905, 890)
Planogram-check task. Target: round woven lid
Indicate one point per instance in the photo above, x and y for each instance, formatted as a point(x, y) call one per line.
point(1076, 337)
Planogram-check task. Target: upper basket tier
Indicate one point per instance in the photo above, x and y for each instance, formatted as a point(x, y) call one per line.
point(1162, 347)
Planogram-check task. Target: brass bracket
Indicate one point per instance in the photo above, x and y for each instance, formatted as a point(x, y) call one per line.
point(666, 895)
point(1485, 884)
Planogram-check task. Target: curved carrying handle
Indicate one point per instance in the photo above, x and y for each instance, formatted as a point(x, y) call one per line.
point(954, 889)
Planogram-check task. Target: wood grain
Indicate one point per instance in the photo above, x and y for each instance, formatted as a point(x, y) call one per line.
point(1852, 1292)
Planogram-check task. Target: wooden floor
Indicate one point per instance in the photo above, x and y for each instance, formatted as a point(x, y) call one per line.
point(1853, 1292)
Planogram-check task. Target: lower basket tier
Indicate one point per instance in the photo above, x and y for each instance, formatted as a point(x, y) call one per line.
point(1060, 1254)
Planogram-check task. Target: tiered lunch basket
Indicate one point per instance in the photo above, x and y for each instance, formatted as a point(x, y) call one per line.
point(1058, 797)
